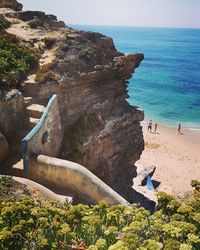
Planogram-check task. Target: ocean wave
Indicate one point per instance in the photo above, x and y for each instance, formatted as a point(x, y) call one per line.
point(194, 129)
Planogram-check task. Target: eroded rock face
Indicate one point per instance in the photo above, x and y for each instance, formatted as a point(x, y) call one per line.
point(115, 149)
point(101, 130)
point(11, 4)
point(11, 113)
point(40, 19)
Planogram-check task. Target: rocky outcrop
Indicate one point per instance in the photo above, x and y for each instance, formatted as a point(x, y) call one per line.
point(40, 19)
point(142, 173)
point(11, 113)
point(11, 4)
point(101, 130)
point(141, 192)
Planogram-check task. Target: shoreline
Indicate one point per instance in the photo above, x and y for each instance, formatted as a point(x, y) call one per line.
point(175, 156)
point(189, 133)
point(185, 125)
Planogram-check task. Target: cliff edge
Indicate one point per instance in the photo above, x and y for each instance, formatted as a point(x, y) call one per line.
point(100, 129)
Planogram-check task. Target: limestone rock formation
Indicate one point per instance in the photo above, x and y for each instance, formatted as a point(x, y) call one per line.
point(101, 130)
point(11, 112)
point(11, 4)
point(40, 19)
point(142, 173)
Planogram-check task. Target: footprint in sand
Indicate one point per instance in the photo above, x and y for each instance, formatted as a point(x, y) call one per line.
point(152, 145)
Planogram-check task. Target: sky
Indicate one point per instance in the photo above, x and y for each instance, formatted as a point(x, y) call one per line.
point(153, 13)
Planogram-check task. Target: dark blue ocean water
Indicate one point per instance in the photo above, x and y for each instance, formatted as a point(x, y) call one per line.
point(167, 83)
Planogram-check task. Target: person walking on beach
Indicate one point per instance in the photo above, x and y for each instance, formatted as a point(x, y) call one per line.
point(150, 126)
point(179, 129)
point(155, 128)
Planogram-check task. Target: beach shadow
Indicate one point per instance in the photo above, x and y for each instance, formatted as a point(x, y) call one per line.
point(133, 196)
point(156, 184)
point(155, 133)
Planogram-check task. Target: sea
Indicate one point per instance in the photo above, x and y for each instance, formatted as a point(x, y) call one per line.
point(167, 83)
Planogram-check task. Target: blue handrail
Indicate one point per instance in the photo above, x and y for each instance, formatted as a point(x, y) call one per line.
point(27, 138)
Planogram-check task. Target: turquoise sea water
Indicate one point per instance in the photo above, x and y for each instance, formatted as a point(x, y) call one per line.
point(167, 83)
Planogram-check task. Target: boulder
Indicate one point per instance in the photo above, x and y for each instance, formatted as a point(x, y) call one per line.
point(142, 173)
point(39, 18)
point(11, 112)
point(3, 147)
point(11, 4)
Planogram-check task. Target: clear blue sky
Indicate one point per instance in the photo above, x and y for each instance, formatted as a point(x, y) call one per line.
point(156, 13)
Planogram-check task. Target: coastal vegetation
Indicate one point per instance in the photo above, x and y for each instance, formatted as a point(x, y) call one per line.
point(45, 73)
point(85, 126)
point(86, 53)
point(27, 224)
point(3, 22)
point(15, 61)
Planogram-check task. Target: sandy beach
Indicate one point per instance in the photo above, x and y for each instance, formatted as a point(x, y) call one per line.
point(176, 157)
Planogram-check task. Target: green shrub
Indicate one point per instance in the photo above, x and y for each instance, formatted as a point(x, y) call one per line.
point(15, 61)
point(3, 22)
point(6, 181)
point(171, 245)
point(86, 53)
point(26, 224)
point(6, 184)
point(195, 184)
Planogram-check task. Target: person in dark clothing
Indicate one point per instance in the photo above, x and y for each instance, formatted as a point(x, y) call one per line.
point(155, 128)
point(179, 129)
point(150, 126)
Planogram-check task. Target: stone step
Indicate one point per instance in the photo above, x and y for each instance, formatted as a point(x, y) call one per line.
point(33, 122)
point(35, 110)
point(18, 165)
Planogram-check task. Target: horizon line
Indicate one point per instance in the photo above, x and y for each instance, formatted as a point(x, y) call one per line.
point(132, 26)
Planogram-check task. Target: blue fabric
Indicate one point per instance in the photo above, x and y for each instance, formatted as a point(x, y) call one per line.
point(150, 183)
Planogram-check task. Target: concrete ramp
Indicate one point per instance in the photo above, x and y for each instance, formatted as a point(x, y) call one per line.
point(74, 178)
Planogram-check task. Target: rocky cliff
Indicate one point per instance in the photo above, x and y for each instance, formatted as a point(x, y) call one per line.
point(11, 4)
point(101, 130)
